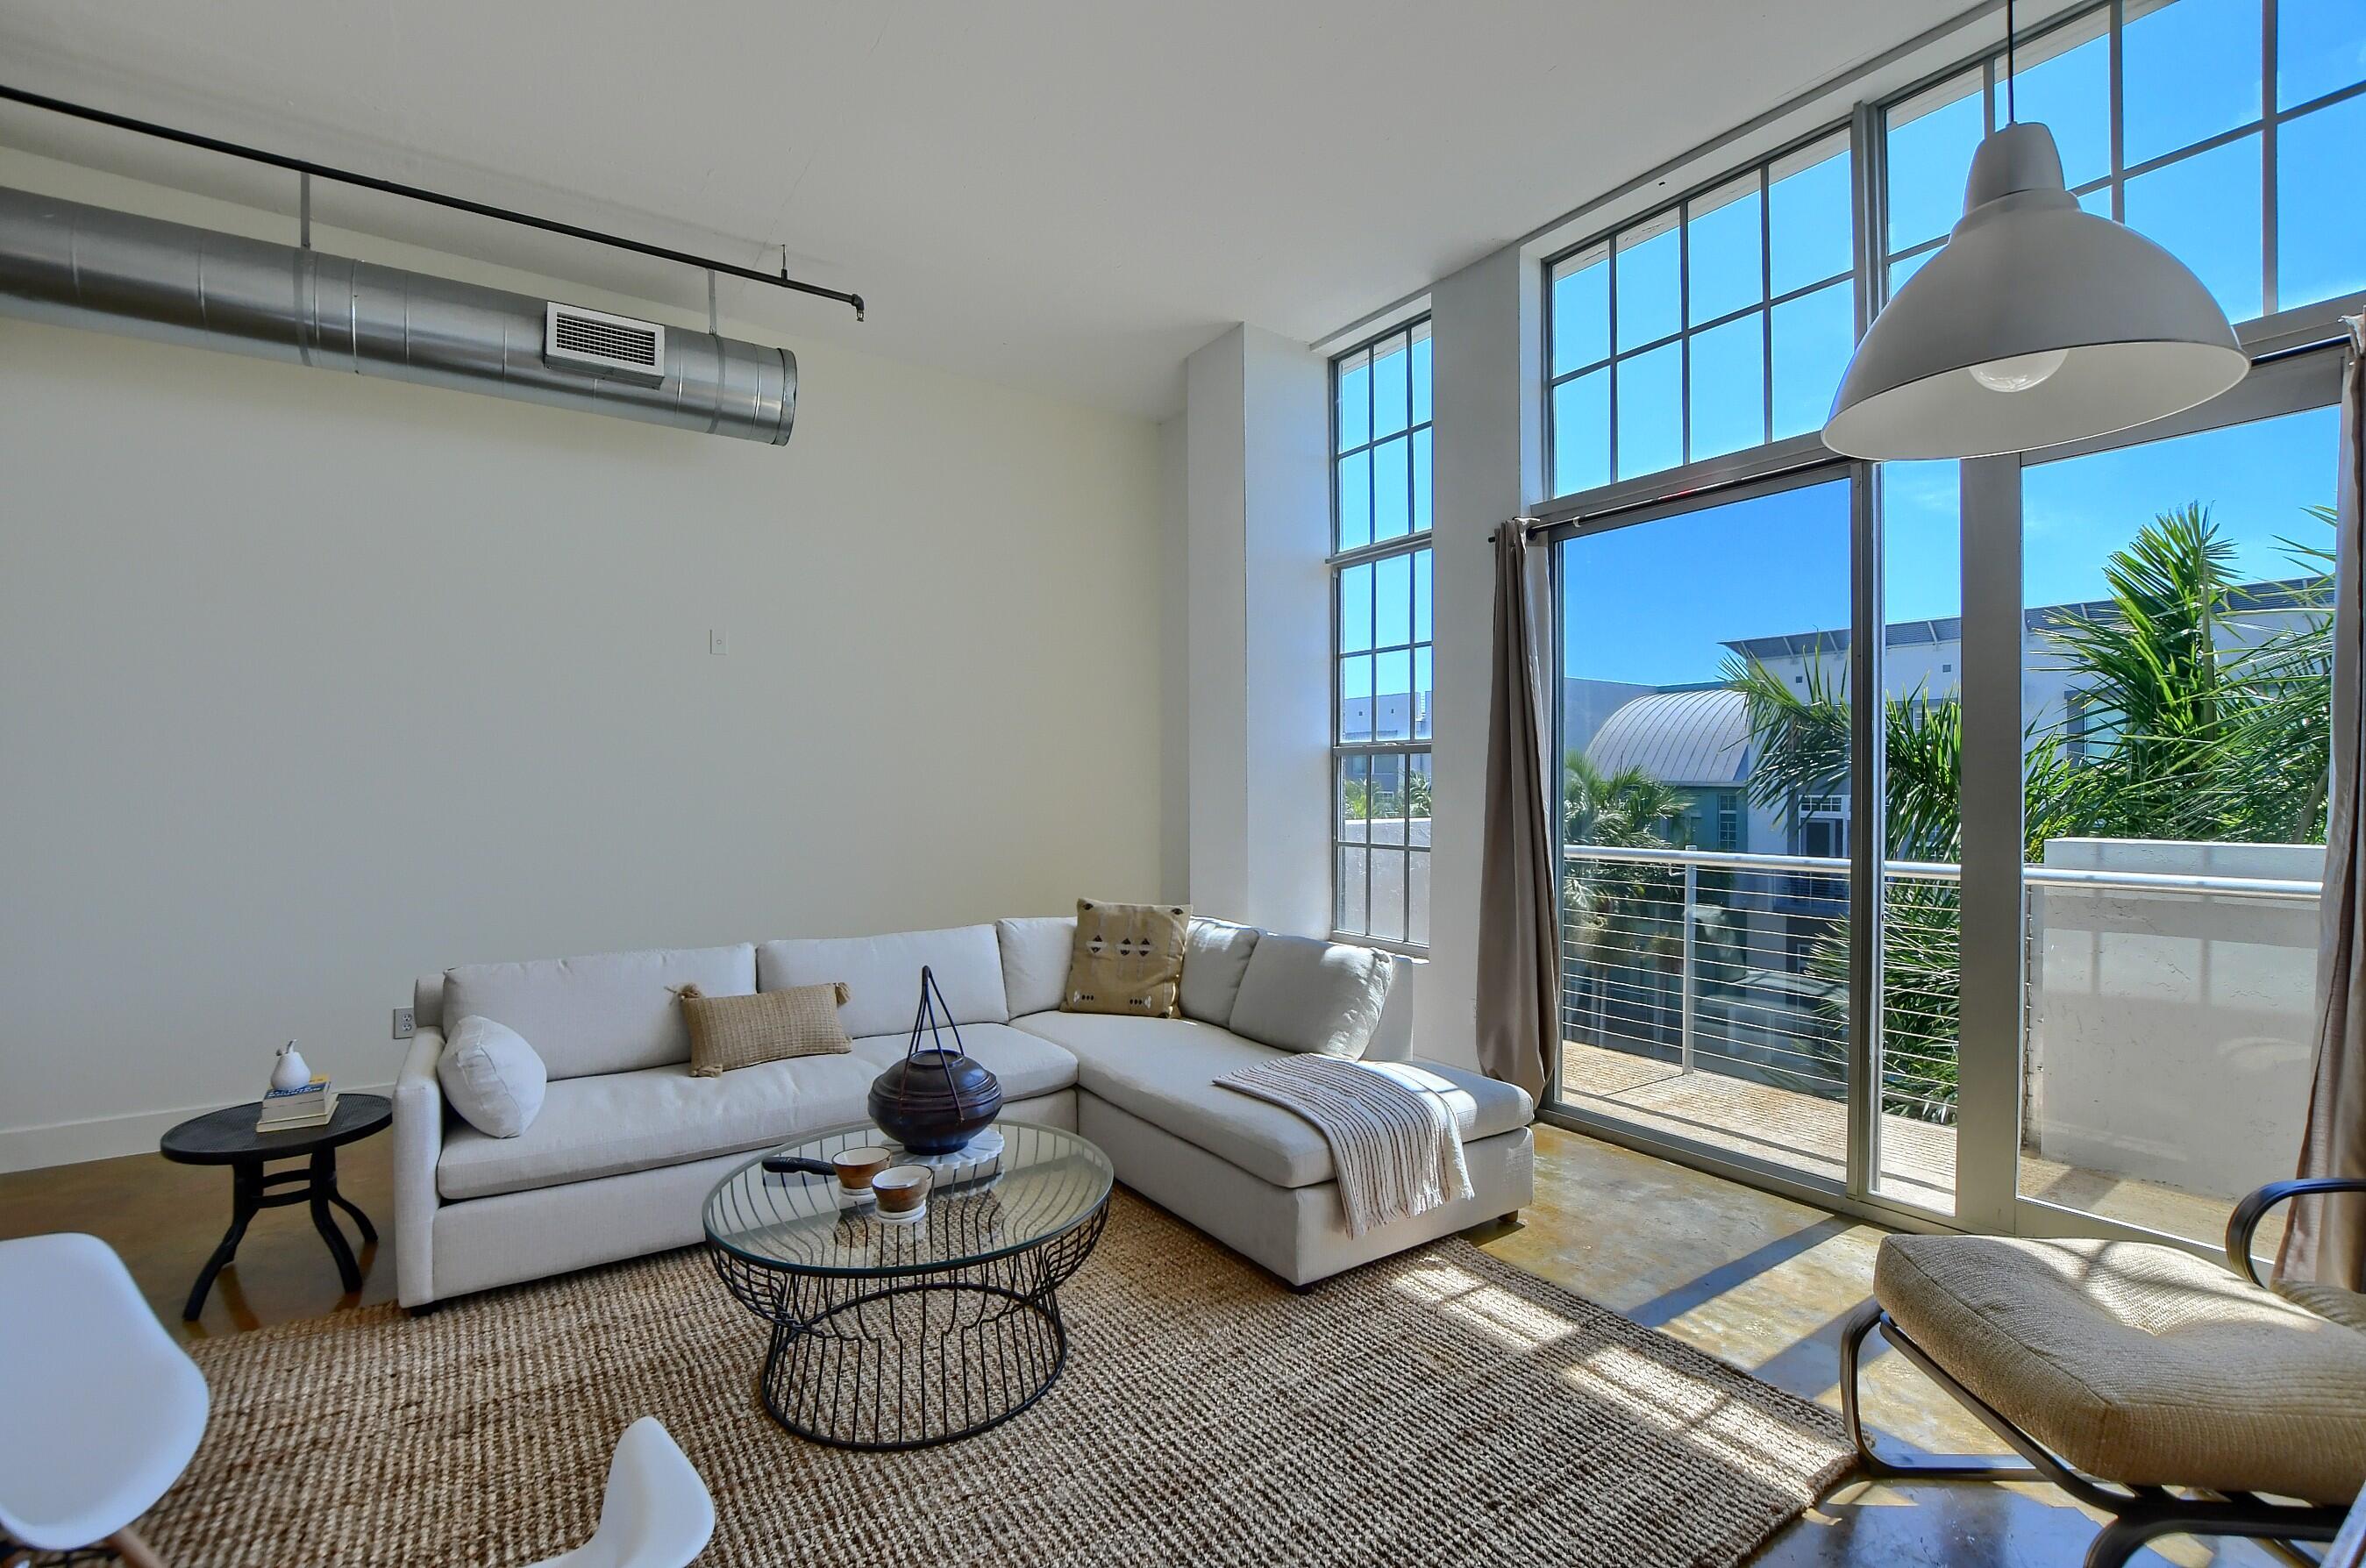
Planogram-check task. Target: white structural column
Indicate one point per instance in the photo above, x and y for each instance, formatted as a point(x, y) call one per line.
point(1485, 334)
point(1174, 666)
point(1258, 520)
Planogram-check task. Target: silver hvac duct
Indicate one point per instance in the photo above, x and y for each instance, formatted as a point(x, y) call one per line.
point(75, 265)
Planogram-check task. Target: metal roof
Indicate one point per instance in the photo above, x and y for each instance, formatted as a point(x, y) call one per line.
point(1678, 738)
point(2288, 593)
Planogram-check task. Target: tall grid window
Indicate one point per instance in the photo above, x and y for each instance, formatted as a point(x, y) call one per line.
point(1721, 323)
point(1382, 613)
point(2222, 129)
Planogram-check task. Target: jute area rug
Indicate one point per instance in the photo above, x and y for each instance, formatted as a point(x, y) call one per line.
point(1440, 1407)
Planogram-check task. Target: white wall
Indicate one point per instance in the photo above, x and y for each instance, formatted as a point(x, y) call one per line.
point(1175, 665)
point(310, 682)
point(1257, 521)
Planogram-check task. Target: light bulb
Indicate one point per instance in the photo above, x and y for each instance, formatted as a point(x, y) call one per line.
point(2020, 372)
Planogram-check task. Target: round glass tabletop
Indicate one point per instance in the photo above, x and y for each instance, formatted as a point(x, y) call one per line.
point(1043, 1183)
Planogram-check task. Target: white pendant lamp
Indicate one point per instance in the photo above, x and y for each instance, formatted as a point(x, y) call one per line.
point(2037, 324)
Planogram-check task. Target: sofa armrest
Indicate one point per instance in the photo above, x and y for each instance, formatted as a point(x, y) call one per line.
point(418, 1144)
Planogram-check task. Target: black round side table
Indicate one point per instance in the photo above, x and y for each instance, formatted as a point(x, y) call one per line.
point(228, 1137)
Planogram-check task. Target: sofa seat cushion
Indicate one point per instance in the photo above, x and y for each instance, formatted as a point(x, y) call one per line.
point(1164, 1071)
point(883, 974)
point(609, 1012)
point(1024, 1064)
point(614, 1122)
point(2137, 1362)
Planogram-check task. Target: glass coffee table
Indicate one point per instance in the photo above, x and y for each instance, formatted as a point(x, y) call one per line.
point(888, 1335)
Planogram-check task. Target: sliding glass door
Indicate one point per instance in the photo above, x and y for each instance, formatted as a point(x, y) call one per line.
point(2082, 1005)
point(1706, 805)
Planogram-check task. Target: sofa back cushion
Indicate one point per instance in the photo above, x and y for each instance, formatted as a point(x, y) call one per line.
point(610, 1012)
point(1392, 1037)
point(1215, 957)
point(1301, 993)
point(883, 974)
point(1035, 961)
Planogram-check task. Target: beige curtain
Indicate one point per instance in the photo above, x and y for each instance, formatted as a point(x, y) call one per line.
point(1518, 970)
point(2328, 1239)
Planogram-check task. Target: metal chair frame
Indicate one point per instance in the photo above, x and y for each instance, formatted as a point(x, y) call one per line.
point(2138, 1513)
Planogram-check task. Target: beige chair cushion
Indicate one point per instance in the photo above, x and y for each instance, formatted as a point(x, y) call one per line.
point(770, 1026)
point(2140, 1363)
point(2345, 1307)
point(1127, 958)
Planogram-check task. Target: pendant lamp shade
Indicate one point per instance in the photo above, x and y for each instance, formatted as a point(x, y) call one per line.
point(2037, 324)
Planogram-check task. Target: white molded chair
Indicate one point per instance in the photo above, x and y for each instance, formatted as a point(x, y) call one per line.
point(656, 1512)
point(103, 1408)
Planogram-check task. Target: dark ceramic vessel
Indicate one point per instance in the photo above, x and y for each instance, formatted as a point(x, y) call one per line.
point(933, 1103)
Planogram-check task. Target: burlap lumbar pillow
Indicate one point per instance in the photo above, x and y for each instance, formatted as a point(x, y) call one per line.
point(1127, 958)
point(770, 1026)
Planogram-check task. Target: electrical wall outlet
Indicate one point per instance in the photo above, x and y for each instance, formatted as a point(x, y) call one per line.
point(406, 1023)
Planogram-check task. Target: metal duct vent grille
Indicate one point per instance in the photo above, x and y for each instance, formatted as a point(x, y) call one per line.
point(604, 344)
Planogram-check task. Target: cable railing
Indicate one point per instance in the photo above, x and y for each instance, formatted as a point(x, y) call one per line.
point(1735, 964)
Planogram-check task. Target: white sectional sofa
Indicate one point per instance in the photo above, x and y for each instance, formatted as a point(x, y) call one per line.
point(627, 1143)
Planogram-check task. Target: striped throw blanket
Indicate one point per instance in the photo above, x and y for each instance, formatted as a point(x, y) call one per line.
point(1397, 1150)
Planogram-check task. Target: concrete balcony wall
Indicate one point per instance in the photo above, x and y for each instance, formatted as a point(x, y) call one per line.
point(2169, 1035)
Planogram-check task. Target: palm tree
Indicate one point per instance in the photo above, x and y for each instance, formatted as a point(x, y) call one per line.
point(2194, 723)
point(1623, 919)
point(1799, 741)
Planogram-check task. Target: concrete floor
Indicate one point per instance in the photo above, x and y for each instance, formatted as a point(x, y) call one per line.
point(1763, 1283)
point(1759, 1280)
point(1809, 1134)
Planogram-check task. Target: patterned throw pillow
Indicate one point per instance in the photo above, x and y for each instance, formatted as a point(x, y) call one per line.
point(1127, 958)
point(770, 1026)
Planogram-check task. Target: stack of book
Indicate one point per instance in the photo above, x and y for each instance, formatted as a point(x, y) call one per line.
point(287, 1109)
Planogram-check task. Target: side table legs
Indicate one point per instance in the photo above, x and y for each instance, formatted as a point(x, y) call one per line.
point(250, 1191)
point(245, 1198)
point(321, 1193)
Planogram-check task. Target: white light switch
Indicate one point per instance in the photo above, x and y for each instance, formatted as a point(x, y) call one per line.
point(718, 643)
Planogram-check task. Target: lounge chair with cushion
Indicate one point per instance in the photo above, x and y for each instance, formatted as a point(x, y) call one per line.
point(2148, 1383)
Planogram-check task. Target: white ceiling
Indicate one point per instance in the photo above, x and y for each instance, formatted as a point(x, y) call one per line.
point(1067, 197)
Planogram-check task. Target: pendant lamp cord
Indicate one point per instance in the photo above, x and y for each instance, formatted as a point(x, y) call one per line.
point(2009, 72)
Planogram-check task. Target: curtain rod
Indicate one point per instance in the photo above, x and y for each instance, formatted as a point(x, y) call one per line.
point(416, 193)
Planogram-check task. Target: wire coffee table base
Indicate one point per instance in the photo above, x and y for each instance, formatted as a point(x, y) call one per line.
point(904, 1360)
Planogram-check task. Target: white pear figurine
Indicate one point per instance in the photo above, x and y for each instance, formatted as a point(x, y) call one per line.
point(290, 1071)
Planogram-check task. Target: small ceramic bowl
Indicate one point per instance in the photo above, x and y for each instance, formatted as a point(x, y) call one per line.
point(901, 1189)
point(858, 1167)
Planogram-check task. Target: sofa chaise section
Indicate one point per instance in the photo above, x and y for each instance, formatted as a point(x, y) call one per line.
point(1253, 1175)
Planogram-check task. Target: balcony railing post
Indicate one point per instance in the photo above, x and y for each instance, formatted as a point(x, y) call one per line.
point(1685, 977)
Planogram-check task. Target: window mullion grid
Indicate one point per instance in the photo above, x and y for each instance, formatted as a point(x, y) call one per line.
point(1766, 303)
point(1408, 443)
point(2117, 77)
point(1610, 445)
point(1683, 328)
point(2268, 93)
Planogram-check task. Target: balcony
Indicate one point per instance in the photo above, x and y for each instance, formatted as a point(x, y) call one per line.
point(2165, 1015)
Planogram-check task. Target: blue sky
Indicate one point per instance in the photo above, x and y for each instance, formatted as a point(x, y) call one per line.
point(1655, 603)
